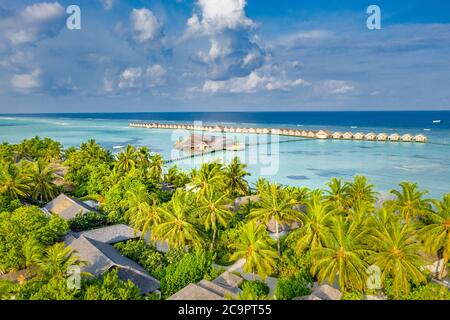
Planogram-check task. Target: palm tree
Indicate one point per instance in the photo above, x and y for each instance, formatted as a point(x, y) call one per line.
point(177, 227)
point(42, 177)
point(343, 256)
point(397, 254)
point(213, 211)
point(360, 189)
point(316, 222)
point(143, 157)
point(32, 252)
point(156, 166)
point(436, 234)
point(142, 210)
point(235, 177)
point(127, 159)
point(210, 174)
point(409, 202)
point(337, 195)
point(14, 182)
point(57, 261)
point(255, 246)
point(275, 203)
point(260, 184)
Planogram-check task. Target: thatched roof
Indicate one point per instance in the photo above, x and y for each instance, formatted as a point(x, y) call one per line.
point(271, 226)
point(101, 257)
point(111, 234)
point(67, 207)
point(195, 292)
point(225, 285)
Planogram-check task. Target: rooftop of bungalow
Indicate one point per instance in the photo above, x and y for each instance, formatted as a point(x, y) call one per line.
point(226, 285)
point(67, 207)
point(102, 256)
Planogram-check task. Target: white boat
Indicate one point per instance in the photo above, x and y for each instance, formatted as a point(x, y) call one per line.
point(436, 121)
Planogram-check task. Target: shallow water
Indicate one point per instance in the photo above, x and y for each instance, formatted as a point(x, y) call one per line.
point(297, 162)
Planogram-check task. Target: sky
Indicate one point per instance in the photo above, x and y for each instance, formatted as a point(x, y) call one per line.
point(223, 55)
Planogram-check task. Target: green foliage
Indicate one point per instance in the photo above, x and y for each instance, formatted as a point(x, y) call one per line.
point(54, 289)
point(6, 204)
point(352, 295)
point(88, 221)
point(110, 287)
point(19, 226)
point(192, 268)
point(254, 290)
point(295, 286)
point(148, 257)
point(429, 291)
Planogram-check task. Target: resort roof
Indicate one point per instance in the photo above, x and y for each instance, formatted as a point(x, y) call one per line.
point(223, 286)
point(101, 257)
point(67, 207)
point(195, 292)
point(111, 234)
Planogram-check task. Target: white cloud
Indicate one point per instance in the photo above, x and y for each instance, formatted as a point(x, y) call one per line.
point(335, 87)
point(34, 22)
point(146, 27)
point(234, 49)
point(136, 79)
point(156, 75)
point(254, 82)
point(217, 15)
point(27, 82)
point(129, 78)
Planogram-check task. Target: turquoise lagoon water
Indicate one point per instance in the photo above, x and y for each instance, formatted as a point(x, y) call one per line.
point(294, 161)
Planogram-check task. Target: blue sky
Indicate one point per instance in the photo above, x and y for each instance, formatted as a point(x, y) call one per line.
point(223, 55)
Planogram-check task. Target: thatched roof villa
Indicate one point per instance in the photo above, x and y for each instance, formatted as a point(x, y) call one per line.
point(394, 137)
point(337, 135)
point(370, 136)
point(101, 257)
point(67, 207)
point(420, 138)
point(407, 138)
point(382, 137)
point(359, 136)
point(347, 135)
point(323, 134)
point(226, 285)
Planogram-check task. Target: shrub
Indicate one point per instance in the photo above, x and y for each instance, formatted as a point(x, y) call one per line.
point(88, 221)
point(110, 287)
point(145, 255)
point(254, 290)
point(296, 286)
point(430, 291)
point(354, 295)
point(192, 268)
point(21, 225)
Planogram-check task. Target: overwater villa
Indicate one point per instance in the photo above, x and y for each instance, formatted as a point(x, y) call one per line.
point(407, 138)
point(359, 136)
point(371, 136)
point(323, 134)
point(382, 137)
point(337, 135)
point(207, 143)
point(420, 138)
point(394, 137)
point(348, 135)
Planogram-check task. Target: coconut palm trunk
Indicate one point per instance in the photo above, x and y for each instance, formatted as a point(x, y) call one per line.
point(278, 238)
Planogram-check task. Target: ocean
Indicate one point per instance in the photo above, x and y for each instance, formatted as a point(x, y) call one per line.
point(292, 161)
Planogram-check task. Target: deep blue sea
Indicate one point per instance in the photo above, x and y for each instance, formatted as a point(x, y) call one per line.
point(295, 162)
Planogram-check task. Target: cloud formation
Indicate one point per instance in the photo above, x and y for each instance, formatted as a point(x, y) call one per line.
point(234, 49)
point(35, 22)
point(135, 79)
